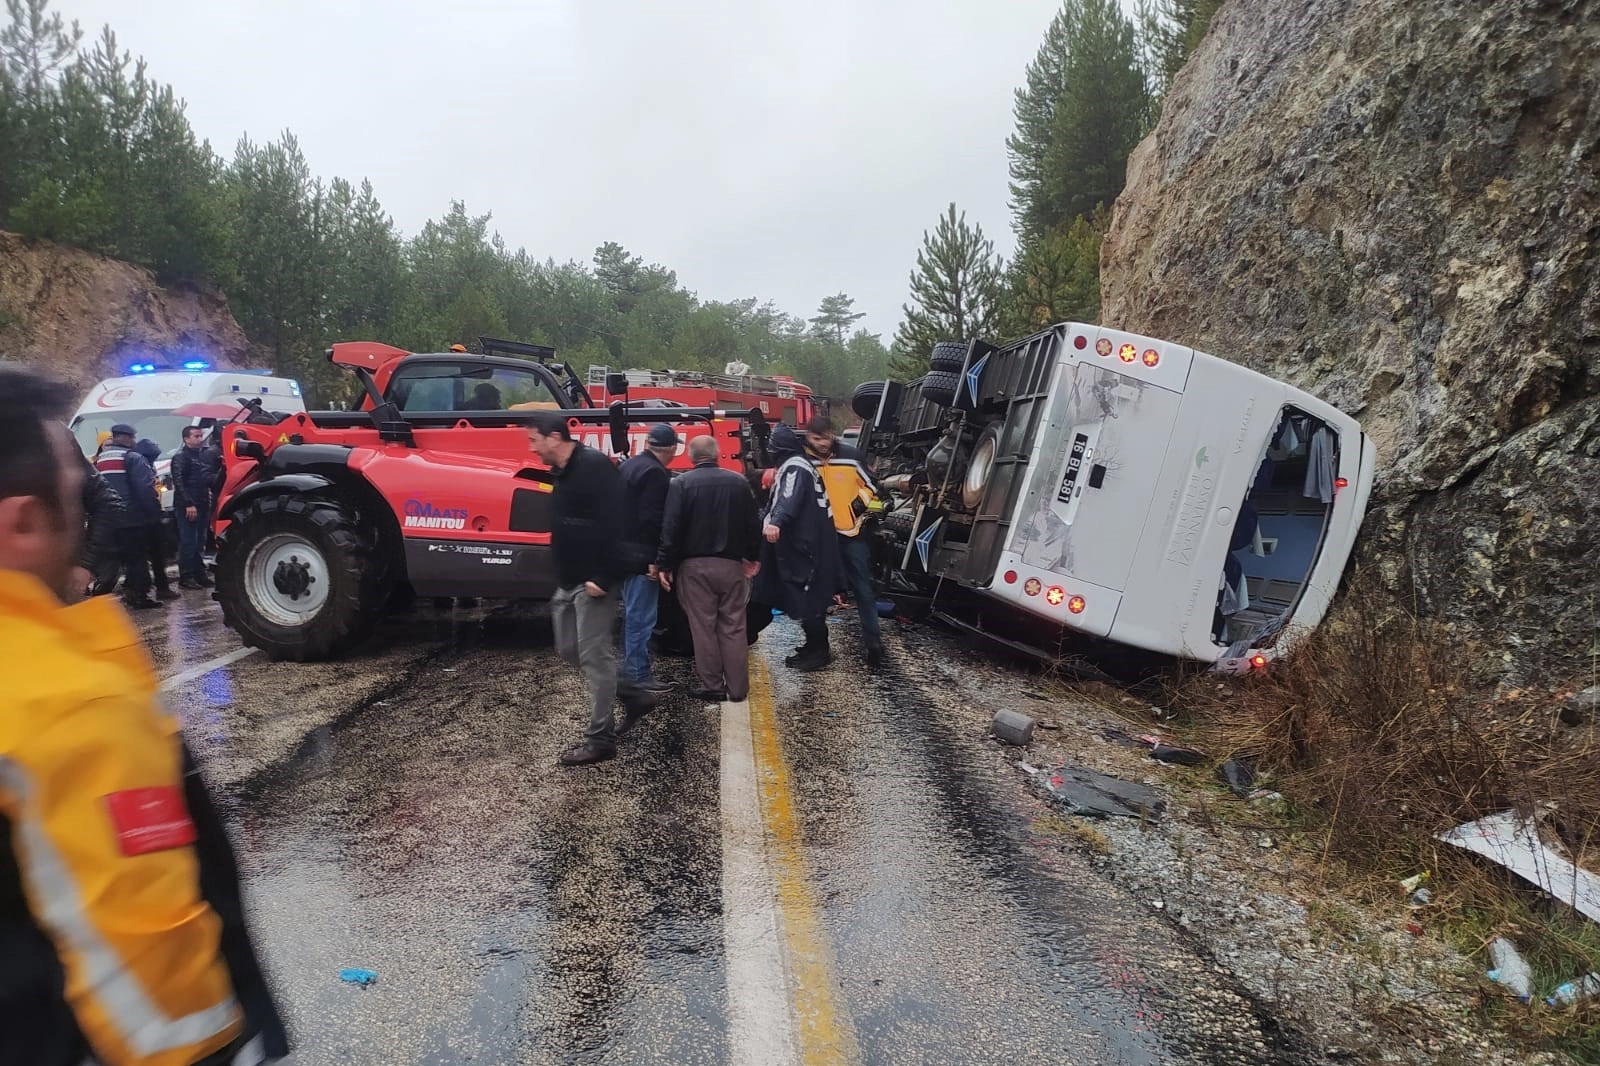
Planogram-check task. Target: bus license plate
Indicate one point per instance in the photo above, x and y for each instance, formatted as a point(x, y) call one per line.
point(1080, 446)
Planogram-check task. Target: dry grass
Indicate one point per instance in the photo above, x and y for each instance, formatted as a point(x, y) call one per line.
point(1383, 729)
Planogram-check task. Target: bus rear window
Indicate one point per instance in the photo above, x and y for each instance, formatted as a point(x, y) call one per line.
point(1280, 530)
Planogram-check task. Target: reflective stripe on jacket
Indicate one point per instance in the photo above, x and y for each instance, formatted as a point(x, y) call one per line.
point(850, 493)
point(91, 788)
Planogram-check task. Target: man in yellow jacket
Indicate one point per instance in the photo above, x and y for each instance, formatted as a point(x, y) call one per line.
point(113, 865)
point(852, 497)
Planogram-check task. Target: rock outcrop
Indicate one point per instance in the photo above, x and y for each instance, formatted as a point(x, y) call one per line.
point(85, 317)
point(1393, 204)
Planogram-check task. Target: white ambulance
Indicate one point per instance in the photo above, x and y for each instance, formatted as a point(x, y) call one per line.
point(1122, 487)
point(159, 402)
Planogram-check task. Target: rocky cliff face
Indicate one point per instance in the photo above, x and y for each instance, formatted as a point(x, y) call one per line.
point(85, 317)
point(1393, 204)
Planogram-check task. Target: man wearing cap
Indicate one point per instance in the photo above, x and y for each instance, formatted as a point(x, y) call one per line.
point(646, 477)
point(128, 472)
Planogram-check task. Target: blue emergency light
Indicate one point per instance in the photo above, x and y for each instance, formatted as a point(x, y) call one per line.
point(197, 364)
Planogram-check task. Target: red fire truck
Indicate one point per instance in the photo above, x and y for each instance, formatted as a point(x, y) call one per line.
point(778, 399)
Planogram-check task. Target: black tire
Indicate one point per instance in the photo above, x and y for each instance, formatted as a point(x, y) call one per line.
point(306, 540)
point(948, 357)
point(673, 639)
point(899, 523)
point(864, 401)
point(939, 386)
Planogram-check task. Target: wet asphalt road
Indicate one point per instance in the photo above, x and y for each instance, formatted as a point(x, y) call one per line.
point(401, 811)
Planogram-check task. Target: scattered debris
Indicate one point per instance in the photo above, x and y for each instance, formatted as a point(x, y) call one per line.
point(1171, 753)
point(1581, 707)
point(1119, 735)
point(1013, 727)
point(1510, 969)
point(1413, 928)
point(1572, 991)
point(1420, 898)
point(1264, 842)
point(1511, 839)
point(1027, 768)
point(1099, 795)
point(358, 977)
point(1414, 882)
point(1267, 797)
point(1238, 775)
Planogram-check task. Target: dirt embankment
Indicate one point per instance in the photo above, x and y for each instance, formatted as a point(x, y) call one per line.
point(85, 317)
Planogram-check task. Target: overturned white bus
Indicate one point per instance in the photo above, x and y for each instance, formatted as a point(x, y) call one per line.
point(1118, 486)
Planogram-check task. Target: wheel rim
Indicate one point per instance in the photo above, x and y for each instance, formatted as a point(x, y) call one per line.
point(286, 579)
point(977, 478)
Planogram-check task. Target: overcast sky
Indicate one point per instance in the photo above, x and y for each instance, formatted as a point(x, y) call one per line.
point(759, 148)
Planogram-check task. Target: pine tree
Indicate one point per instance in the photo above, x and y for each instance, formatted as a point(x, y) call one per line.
point(279, 251)
point(1173, 29)
point(957, 288)
point(1084, 107)
point(1055, 277)
point(834, 318)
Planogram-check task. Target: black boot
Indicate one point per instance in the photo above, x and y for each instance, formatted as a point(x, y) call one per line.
point(589, 752)
point(636, 703)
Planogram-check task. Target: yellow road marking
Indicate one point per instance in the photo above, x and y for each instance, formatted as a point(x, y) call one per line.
point(823, 1033)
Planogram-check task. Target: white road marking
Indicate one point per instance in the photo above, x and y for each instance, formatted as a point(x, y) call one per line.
point(186, 676)
point(760, 1027)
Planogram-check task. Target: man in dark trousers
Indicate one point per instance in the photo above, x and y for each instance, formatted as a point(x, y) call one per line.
point(710, 547)
point(100, 560)
point(800, 571)
point(134, 479)
point(191, 505)
point(646, 477)
point(850, 492)
point(123, 937)
point(154, 541)
point(586, 538)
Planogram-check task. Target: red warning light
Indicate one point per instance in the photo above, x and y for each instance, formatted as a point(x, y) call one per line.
point(1258, 661)
point(1103, 346)
point(1340, 482)
point(1032, 586)
point(1077, 604)
point(1054, 595)
point(1080, 341)
point(1151, 357)
point(1127, 353)
point(1011, 577)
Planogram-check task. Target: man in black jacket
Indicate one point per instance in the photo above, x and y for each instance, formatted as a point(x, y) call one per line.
point(800, 572)
point(646, 477)
point(133, 478)
point(587, 540)
point(710, 544)
point(100, 561)
point(191, 506)
point(155, 543)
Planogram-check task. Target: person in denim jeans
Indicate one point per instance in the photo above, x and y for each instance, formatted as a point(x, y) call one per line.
point(647, 479)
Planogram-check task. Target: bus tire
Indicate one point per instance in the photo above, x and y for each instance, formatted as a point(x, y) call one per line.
point(948, 357)
point(939, 386)
point(865, 400)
